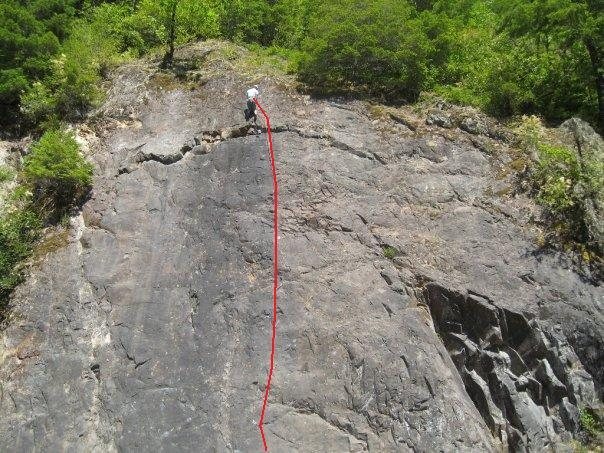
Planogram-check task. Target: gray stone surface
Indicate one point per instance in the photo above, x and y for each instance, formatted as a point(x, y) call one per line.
point(439, 119)
point(150, 330)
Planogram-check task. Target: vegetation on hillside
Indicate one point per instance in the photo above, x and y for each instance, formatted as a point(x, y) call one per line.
point(57, 173)
point(55, 177)
point(592, 426)
point(565, 184)
point(508, 57)
point(19, 229)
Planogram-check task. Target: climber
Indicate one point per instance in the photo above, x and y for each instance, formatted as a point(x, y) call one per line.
point(250, 111)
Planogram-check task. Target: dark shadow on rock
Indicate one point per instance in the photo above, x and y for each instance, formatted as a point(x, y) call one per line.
point(591, 273)
point(524, 378)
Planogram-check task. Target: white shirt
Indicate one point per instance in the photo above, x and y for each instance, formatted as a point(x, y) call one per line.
point(252, 93)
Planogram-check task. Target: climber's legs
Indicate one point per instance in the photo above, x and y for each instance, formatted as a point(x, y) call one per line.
point(252, 114)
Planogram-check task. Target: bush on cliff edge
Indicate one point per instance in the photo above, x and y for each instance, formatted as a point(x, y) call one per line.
point(55, 178)
point(58, 173)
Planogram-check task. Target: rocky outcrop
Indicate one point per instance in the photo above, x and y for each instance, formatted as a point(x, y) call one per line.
point(526, 381)
point(416, 311)
point(468, 120)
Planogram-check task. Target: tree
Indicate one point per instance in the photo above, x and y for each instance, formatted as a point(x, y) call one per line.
point(559, 25)
point(247, 20)
point(12, 84)
point(26, 48)
point(57, 170)
point(56, 15)
point(170, 24)
point(178, 21)
point(370, 47)
point(291, 21)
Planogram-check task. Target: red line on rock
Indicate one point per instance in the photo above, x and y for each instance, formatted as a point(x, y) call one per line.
point(275, 273)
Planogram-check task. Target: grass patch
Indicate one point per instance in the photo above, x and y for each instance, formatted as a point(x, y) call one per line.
point(591, 423)
point(164, 82)
point(390, 252)
point(377, 111)
point(256, 62)
point(519, 164)
point(6, 173)
point(507, 190)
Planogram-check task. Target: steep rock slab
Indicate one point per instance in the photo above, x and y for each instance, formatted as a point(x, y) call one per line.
point(150, 330)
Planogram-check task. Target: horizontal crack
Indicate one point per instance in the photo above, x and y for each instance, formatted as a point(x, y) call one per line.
point(210, 137)
point(332, 141)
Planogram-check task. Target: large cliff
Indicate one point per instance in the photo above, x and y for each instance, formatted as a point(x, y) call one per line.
point(417, 311)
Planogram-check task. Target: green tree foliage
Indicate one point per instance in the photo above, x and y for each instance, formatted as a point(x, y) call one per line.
point(464, 34)
point(176, 21)
point(246, 20)
point(567, 31)
point(291, 22)
point(132, 33)
point(56, 15)
point(71, 86)
point(513, 57)
point(57, 171)
point(508, 57)
point(12, 83)
point(26, 45)
point(375, 47)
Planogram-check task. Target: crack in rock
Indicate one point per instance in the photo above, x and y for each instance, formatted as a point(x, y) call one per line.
point(201, 144)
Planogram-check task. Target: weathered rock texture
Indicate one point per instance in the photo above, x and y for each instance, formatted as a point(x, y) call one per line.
point(150, 330)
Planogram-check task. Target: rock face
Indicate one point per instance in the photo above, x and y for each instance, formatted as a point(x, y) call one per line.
point(150, 330)
point(504, 360)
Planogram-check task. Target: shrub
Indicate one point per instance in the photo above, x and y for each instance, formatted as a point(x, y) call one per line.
point(39, 104)
point(530, 131)
point(173, 22)
point(19, 230)
point(290, 22)
point(72, 86)
point(377, 48)
point(57, 171)
point(76, 73)
point(591, 423)
point(246, 20)
point(12, 83)
point(26, 46)
point(556, 174)
point(568, 185)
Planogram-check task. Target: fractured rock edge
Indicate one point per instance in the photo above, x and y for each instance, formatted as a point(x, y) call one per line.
point(524, 377)
point(202, 143)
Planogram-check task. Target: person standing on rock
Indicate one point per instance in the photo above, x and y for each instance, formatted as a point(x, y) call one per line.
point(250, 112)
